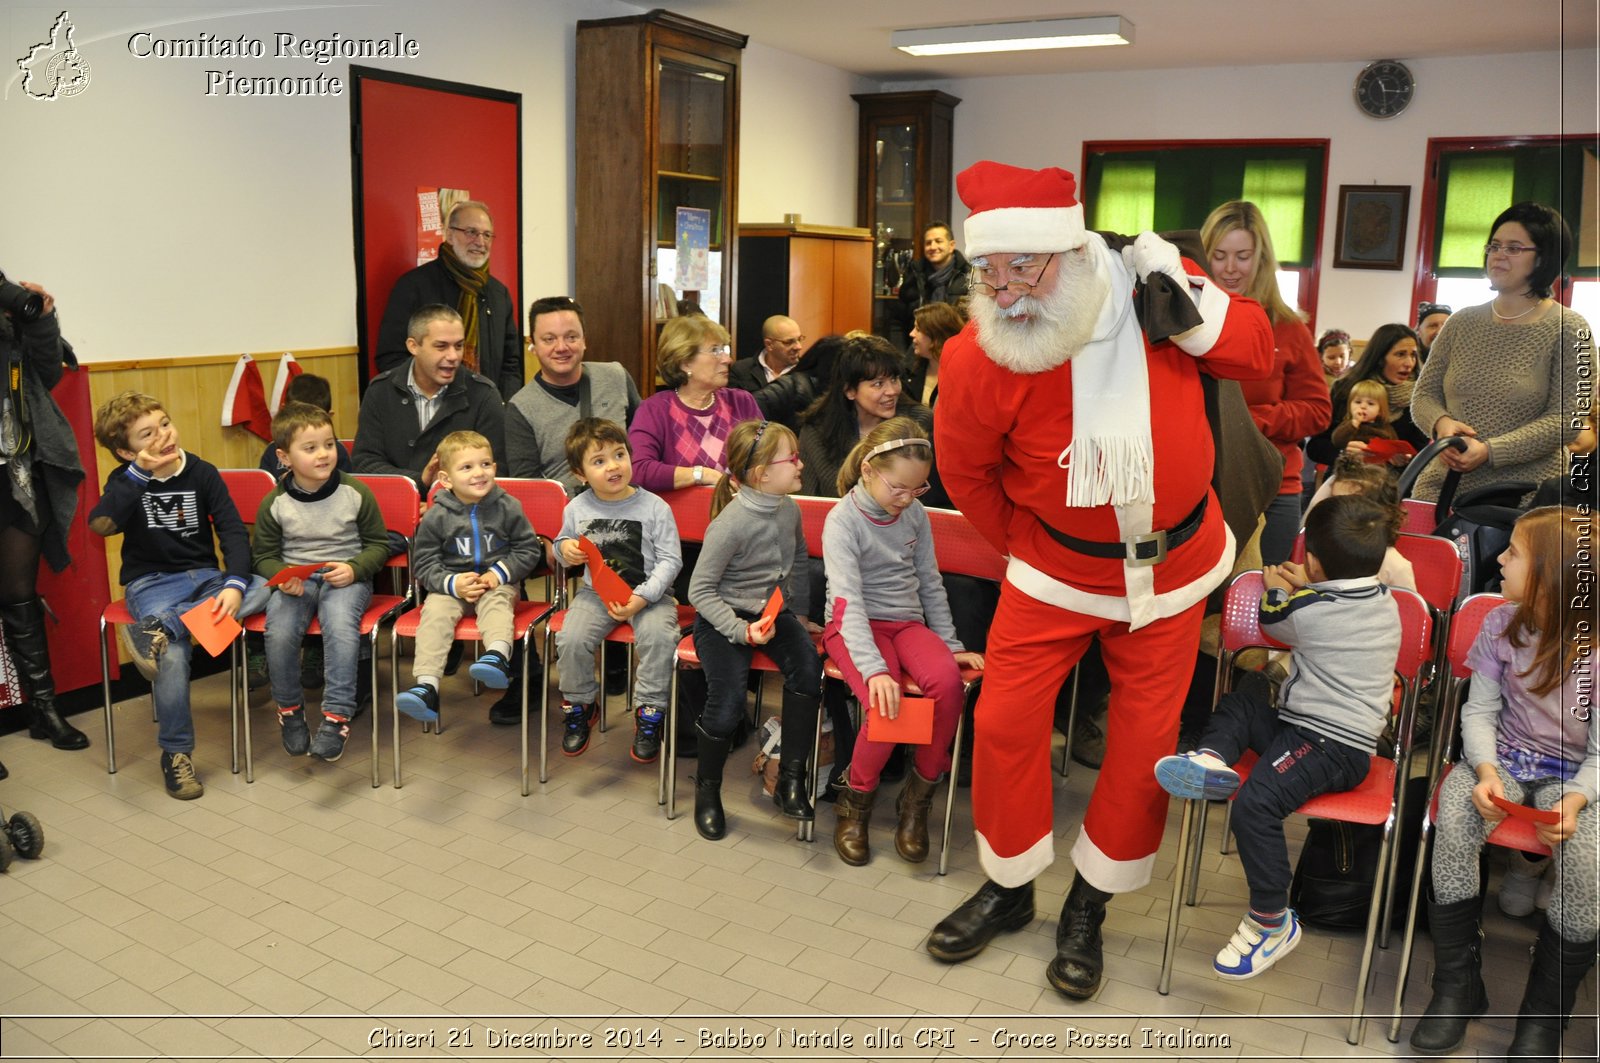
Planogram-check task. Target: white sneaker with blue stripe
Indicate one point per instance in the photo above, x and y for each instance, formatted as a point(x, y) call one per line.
point(1253, 947)
point(1197, 776)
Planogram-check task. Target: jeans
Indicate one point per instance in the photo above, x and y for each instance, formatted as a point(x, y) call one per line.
point(655, 639)
point(338, 610)
point(727, 668)
point(1295, 766)
point(167, 596)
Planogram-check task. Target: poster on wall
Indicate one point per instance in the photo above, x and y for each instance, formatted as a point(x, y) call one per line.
point(433, 207)
point(694, 249)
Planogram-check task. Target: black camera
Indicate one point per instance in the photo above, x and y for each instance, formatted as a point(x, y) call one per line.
point(20, 303)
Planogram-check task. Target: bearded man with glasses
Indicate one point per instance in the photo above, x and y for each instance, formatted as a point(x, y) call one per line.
point(1073, 434)
point(460, 277)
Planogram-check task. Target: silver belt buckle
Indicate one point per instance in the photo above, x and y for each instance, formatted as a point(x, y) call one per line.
point(1132, 545)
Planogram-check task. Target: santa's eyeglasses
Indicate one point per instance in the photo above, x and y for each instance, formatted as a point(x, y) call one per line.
point(986, 280)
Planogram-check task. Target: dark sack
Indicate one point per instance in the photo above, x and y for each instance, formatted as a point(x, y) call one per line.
point(1332, 885)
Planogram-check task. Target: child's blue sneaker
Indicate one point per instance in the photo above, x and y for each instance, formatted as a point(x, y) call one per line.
point(421, 702)
point(492, 670)
point(1253, 947)
point(1197, 775)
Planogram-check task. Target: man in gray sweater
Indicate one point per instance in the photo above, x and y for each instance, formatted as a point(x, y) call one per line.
point(1344, 628)
point(563, 390)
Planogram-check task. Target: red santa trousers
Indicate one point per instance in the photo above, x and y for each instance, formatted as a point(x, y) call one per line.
point(1032, 648)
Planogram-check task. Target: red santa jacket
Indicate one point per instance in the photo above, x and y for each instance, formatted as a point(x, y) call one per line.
point(1000, 435)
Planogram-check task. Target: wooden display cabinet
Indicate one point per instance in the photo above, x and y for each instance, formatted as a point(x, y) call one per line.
point(904, 183)
point(657, 129)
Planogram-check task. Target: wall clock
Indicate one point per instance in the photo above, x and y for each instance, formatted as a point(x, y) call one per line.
point(1384, 88)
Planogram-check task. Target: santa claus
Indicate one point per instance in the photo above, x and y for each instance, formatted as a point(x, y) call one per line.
point(1074, 437)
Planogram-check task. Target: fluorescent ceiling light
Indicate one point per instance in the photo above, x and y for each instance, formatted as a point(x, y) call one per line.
point(1015, 36)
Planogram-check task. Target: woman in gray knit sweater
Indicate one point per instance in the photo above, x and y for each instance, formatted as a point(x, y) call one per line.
point(1505, 375)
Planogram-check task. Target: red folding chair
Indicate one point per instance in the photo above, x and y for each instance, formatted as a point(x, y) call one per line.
point(961, 550)
point(1420, 516)
point(691, 512)
point(246, 488)
point(1378, 799)
point(399, 502)
point(543, 501)
point(1512, 833)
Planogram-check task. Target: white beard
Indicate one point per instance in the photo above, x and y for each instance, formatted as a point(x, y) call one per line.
point(1034, 335)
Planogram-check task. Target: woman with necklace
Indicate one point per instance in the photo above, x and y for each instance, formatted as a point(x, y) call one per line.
point(679, 435)
point(1504, 376)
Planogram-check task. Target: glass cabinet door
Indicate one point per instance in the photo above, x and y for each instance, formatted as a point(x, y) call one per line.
point(690, 187)
point(894, 193)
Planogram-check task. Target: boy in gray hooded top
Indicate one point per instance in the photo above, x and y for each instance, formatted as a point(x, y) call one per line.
point(1344, 627)
point(473, 549)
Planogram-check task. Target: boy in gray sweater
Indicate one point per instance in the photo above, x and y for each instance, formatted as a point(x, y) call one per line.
point(638, 541)
point(1344, 628)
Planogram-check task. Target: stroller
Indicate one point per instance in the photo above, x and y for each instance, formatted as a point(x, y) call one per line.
point(1479, 522)
point(22, 833)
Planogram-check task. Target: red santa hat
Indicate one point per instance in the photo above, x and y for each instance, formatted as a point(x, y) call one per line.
point(1014, 209)
point(288, 369)
point(245, 402)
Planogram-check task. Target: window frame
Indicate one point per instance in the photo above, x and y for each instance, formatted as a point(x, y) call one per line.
point(1310, 276)
point(1425, 281)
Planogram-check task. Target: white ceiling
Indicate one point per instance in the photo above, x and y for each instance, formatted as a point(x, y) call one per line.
point(853, 35)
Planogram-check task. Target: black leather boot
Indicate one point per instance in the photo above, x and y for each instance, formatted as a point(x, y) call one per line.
point(1076, 969)
point(4, 774)
point(966, 931)
point(709, 819)
point(1559, 966)
point(1458, 993)
point(24, 624)
point(793, 792)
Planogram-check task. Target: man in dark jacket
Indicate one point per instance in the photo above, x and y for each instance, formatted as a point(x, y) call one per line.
point(460, 277)
point(410, 408)
point(940, 276)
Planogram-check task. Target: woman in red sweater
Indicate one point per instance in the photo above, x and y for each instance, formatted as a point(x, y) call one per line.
point(1292, 402)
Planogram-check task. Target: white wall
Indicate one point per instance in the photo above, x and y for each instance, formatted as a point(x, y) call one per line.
point(1043, 121)
point(797, 139)
point(171, 224)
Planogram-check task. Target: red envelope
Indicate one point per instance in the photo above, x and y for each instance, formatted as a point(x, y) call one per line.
point(769, 612)
point(1532, 815)
point(296, 572)
point(1381, 450)
point(214, 635)
point(612, 588)
point(914, 725)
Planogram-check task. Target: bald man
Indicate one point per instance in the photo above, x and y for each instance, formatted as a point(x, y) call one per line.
point(781, 343)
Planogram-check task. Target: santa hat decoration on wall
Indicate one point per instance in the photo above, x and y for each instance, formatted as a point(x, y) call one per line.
point(1014, 209)
point(245, 403)
point(288, 369)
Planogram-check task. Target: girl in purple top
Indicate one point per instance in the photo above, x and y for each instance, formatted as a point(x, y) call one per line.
point(680, 434)
point(1529, 736)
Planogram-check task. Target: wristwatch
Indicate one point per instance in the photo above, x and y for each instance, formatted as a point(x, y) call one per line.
point(699, 475)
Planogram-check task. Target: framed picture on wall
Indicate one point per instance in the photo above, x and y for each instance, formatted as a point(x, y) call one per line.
point(1371, 233)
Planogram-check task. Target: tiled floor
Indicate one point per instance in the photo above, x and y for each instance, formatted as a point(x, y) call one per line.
point(310, 915)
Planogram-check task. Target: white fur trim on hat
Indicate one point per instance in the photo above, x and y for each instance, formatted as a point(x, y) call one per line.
point(1023, 229)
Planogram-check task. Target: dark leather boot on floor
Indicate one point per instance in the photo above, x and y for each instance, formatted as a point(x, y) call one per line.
point(1559, 967)
point(1458, 993)
point(25, 635)
point(792, 794)
point(709, 818)
point(965, 932)
point(1076, 969)
point(911, 836)
point(853, 812)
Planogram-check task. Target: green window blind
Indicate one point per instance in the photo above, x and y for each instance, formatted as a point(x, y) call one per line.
point(1475, 186)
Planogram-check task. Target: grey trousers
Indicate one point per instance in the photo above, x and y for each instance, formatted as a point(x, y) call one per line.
point(1575, 901)
point(655, 634)
point(437, 629)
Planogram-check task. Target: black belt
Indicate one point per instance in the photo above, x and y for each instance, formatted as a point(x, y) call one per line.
point(1140, 550)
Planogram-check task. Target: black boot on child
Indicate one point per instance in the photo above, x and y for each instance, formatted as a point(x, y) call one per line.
point(1458, 993)
point(1559, 966)
point(709, 819)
